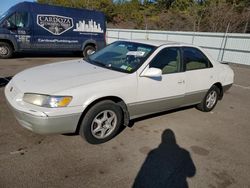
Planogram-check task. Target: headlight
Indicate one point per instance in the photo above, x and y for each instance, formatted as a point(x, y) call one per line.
point(46, 100)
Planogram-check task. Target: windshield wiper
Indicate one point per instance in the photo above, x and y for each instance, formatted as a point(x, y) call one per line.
point(98, 63)
point(107, 66)
point(95, 62)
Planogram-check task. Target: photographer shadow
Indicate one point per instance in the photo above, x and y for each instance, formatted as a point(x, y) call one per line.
point(167, 166)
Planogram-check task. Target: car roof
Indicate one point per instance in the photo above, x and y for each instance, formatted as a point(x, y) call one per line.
point(156, 43)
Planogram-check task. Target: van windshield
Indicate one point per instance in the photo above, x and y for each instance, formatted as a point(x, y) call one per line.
point(2, 16)
point(122, 56)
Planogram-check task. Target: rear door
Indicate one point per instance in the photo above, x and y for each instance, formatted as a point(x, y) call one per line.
point(199, 74)
point(90, 27)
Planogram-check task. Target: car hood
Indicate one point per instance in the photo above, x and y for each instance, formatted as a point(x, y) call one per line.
point(56, 77)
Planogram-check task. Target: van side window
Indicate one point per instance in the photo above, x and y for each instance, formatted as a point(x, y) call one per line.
point(168, 60)
point(194, 59)
point(18, 19)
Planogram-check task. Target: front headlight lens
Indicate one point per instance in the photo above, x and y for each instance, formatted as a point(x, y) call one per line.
point(46, 100)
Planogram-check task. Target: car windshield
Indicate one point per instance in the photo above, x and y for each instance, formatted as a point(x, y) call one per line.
point(122, 56)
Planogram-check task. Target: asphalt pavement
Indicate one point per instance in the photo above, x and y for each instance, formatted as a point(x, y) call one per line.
point(184, 147)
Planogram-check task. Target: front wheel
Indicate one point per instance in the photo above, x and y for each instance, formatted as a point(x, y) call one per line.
point(6, 50)
point(210, 100)
point(102, 122)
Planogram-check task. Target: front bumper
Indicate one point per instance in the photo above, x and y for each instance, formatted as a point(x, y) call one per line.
point(48, 125)
point(36, 119)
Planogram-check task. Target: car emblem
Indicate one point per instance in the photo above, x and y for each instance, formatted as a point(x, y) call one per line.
point(11, 89)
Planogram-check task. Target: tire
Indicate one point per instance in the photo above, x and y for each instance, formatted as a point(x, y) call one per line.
point(102, 122)
point(210, 100)
point(88, 50)
point(6, 50)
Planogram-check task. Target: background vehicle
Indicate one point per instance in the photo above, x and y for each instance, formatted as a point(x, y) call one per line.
point(31, 26)
point(121, 82)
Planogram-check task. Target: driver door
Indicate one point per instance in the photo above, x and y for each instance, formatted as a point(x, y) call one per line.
point(19, 25)
point(165, 92)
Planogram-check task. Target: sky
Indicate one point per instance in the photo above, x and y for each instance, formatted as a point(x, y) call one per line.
point(6, 4)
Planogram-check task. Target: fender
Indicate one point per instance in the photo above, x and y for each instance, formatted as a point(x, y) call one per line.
point(118, 100)
point(10, 38)
point(89, 41)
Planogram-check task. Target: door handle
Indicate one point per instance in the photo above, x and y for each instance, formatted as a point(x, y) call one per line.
point(181, 81)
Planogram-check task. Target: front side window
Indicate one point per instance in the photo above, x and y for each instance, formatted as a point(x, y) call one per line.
point(168, 60)
point(194, 59)
point(16, 20)
point(122, 56)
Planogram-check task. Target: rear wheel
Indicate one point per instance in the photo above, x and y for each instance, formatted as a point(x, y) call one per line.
point(6, 50)
point(88, 50)
point(210, 100)
point(102, 122)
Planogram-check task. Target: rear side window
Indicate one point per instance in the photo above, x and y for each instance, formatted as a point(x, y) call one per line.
point(194, 59)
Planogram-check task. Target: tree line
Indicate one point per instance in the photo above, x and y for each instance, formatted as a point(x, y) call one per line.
point(170, 15)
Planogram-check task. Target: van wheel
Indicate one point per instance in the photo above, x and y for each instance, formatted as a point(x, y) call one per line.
point(102, 122)
point(6, 50)
point(210, 100)
point(88, 50)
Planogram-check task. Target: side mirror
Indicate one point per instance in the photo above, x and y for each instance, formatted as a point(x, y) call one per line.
point(8, 25)
point(13, 27)
point(152, 73)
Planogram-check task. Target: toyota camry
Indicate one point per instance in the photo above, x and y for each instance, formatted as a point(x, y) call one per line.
point(121, 82)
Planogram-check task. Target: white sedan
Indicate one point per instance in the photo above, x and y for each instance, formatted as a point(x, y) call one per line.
point(121, 82)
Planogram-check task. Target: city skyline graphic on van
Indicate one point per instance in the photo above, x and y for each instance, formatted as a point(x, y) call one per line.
point(55, 24)
point(90, 26)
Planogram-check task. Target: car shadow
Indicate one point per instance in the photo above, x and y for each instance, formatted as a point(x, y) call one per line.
point(132, 122)
point(46, 54)
point(167, 166)
point(5, 80)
